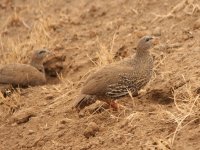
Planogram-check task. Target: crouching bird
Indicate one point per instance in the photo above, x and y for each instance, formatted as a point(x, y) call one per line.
point(24, 75)
point(118, 79)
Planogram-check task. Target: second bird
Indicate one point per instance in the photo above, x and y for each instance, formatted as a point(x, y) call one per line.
point(117, 79)
point(24, 75)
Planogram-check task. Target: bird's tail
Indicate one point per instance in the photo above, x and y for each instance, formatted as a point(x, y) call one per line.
point(84, 100)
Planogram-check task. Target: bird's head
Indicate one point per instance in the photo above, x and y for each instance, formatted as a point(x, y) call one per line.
point(39, 57)
point(145, 43)
point(41, 54)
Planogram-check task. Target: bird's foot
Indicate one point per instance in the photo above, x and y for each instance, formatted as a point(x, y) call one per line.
point(116, 106)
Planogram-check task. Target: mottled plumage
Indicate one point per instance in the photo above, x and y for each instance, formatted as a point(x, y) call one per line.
point(116, 80)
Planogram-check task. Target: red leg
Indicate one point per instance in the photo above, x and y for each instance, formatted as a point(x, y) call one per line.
point(114, 105)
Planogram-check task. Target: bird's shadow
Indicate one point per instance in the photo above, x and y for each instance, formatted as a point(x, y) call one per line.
point(156, 96)
point(160, 96)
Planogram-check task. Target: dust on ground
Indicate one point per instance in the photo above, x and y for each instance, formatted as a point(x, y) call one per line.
point(92, 34)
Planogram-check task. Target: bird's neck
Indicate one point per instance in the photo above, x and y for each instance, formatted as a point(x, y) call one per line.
point(142, 53)
point(38, 65)
point(142, 59)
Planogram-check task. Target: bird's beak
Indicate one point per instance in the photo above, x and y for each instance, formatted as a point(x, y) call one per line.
point(151, 38)
point(50, 53)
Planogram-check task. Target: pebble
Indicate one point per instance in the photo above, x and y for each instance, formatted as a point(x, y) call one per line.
point(23, 116)
point(30, 132)
point(197, 24)
point(91, 130)
point(157, 31)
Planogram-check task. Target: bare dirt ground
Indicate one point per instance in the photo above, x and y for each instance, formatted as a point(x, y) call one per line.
point(93, 33)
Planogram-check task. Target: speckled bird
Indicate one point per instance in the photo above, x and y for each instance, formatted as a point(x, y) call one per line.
point(118, 79)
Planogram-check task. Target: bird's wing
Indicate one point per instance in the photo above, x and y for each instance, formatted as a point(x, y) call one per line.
point(98, 83)
point(125, 85)
point(20, 74)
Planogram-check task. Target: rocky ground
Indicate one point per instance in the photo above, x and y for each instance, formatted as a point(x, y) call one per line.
point(91, 34)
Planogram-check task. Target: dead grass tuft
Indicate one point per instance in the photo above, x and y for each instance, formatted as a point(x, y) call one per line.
point(9, 105)
point(105, 54)
point(188, 7)
point(188, 107)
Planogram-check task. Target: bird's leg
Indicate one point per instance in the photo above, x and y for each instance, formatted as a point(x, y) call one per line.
point(116, 106)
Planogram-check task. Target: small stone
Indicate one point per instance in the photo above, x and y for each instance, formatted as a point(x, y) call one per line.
point(49, 97)
point(60, 134)
point(91, 130)
point(93, 9)
point(191, 44)
point(23, 116)
point(198, 90)
point(92, 34)
point(65, 121)
point(124, 123)
point(46, 127)
point(197, 24)
point(196, 49)
point(166, 4)
point(30, 132)
point(157, 31)
point(81, 114)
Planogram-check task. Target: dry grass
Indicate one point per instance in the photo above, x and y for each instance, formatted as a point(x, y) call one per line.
point(18, 49)
point(10, 105)
point(105, 54)
point(187, 104)
point(189, 7)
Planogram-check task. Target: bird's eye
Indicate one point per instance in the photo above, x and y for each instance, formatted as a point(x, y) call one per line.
point(147, 39)
point(41, 52)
